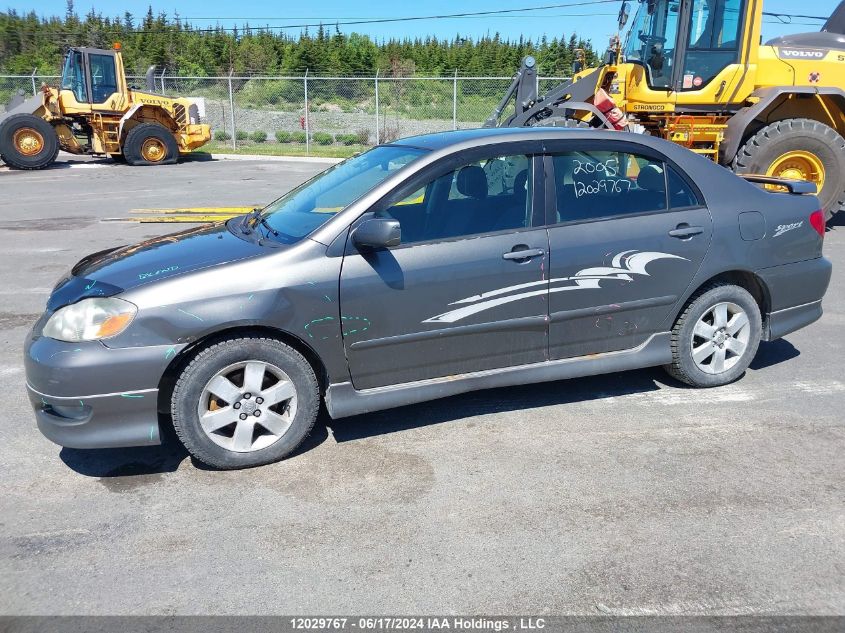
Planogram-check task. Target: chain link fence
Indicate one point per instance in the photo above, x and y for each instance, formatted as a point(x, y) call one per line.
point(320, 112)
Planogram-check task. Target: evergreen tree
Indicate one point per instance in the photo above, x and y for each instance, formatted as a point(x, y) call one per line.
point(28, 41)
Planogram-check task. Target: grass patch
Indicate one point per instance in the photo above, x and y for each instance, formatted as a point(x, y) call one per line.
point(286, 149)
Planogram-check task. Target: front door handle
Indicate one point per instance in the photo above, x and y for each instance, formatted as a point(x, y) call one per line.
point(685, 231)
point(526, 253)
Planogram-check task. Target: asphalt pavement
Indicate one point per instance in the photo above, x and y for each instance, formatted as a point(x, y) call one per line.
point(620, 494)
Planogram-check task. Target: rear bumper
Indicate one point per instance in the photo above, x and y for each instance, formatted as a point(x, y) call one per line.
point(795, 295)
point(783, 322)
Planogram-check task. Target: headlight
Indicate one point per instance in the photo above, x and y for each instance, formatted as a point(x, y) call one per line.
point(90, 320)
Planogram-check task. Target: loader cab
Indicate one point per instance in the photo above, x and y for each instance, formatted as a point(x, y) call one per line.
point(92, 79)
point(689, 46)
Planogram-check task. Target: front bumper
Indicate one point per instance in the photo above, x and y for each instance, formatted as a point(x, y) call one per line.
point(86, 395)
point(98, 421)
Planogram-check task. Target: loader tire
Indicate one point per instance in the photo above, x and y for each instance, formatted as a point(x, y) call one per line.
point(28, 142)
point(799, 148)
point(150, 144)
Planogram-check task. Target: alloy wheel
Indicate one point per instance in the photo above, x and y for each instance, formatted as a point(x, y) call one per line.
point(720, 338)
point(247, 406)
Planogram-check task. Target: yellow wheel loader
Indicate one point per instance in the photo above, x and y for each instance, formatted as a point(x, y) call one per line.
point(695, 72)
point(94, 111)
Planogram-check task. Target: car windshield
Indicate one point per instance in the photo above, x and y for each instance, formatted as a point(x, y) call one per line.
point(312, 204)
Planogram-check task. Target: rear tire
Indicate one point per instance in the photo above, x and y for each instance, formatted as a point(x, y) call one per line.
point(716, 336)
point(245, 402)
point(28, 142)
point(150, 144)
point(823, 144)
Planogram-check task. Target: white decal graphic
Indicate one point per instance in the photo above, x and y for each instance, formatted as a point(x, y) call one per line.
point(783, 228)
point(623, 266)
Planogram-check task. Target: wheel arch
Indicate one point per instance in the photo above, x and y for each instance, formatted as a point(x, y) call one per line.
point(745, 279)
point(825, 105)
point(181, 360)
point(145, 113)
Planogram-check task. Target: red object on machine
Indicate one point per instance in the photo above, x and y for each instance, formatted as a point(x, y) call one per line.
point(608, 108)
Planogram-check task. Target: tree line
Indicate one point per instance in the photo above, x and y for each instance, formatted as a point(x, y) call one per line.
point(28, 41)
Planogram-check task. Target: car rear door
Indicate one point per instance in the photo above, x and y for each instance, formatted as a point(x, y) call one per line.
point(622, 249)
point(466, 289)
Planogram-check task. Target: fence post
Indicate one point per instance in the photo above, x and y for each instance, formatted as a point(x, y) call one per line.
point(307, 117)
point(163, 70)
point(232, 110)
point(455, 101)
point(378, 135)
point(34, 89)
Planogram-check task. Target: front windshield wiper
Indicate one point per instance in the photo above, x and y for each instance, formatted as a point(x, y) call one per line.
point(254, 218)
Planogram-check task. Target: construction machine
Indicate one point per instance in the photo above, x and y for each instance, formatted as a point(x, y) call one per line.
point(95, 111)
point(694, 72)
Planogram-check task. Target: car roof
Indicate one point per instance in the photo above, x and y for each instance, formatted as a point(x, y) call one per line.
point(443, 143)
point(443, 140)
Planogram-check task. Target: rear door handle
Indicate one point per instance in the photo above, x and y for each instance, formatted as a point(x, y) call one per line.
point(527, 253)
point(684, 231)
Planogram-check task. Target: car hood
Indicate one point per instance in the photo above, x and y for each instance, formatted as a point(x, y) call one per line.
point(109, 272)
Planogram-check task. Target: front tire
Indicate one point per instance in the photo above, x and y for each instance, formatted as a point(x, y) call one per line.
point(716, 336)
point(150, 144)
point(245, 402)
point(803, 149)
point(28, 142)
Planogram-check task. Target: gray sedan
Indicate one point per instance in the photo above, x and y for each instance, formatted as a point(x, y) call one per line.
point(424, 268)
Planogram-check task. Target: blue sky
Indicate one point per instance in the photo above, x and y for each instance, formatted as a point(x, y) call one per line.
point(595, 21)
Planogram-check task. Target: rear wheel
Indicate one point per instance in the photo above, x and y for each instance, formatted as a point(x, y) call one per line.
point(28, 142)
point(802, 149)
point(716, 337)
point(150, 144)
point(245, 402)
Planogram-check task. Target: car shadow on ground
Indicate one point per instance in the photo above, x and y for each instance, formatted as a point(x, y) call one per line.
point(773, 353)
point(479, 403)
point(123, 469)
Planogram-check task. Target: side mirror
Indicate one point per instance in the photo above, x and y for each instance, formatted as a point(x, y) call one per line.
point(377, 233)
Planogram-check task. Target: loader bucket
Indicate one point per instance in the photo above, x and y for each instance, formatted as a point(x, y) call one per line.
point(21, 106)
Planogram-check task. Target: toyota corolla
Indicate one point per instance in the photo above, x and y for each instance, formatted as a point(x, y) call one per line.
point(424, 268)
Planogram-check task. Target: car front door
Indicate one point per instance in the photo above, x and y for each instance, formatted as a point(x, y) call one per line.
point(622, 249)
point(465, 291)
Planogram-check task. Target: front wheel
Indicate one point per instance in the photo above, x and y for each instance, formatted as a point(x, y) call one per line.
point(245, 402)
point(716, 337)
point(150, 144)
point(28, 142)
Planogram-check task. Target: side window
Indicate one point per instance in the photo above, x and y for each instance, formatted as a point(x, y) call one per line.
point(680, 193)
point(73, 77)
point(600, 184)
point(714, 33)
point(481, 197)
point(103, 80)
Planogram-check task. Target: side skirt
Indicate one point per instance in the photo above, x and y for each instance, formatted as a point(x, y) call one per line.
point(342, 399)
